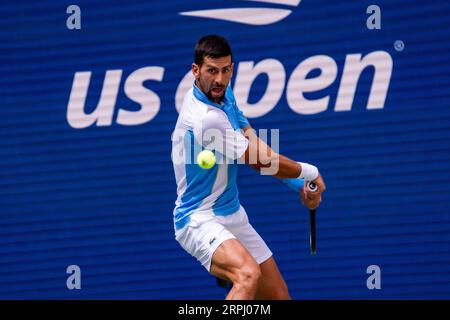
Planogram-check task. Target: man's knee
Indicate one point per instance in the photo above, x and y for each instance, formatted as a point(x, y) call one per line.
point(248, 276)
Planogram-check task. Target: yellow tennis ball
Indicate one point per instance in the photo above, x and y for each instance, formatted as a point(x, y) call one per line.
point(206, 159)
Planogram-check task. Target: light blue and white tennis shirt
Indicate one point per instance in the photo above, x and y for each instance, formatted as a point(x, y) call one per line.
point(212, 191)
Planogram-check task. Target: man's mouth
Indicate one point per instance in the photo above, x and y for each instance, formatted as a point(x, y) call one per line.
point(217, 90)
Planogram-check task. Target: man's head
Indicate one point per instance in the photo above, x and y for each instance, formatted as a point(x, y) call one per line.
point(213, 66)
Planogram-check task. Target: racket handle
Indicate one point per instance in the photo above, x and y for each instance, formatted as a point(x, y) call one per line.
point(312, 187)
point(312, 231)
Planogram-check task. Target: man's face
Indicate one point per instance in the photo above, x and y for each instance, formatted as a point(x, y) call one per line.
point(213, 76)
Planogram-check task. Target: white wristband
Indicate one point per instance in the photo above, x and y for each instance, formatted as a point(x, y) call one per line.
point(309, 172)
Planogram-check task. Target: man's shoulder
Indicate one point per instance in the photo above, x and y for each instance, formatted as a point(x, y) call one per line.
point(192, 111)
point(191, 103)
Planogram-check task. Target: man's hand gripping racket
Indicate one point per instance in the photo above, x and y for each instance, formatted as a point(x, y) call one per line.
point(311, 196)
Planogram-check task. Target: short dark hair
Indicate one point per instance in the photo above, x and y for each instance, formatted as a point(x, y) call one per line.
point(213, 46)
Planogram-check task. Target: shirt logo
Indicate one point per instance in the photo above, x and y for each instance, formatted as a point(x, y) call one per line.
point(212, 241)
point(259, 16)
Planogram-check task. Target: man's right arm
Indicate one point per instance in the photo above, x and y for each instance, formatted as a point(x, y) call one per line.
point(259, 155)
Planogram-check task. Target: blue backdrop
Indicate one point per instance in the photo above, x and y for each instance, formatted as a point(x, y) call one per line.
point(98, 191)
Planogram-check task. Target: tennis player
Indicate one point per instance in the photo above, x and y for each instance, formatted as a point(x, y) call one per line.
point(209, 221)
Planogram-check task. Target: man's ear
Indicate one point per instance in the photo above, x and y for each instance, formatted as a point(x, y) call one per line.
point(195, 70)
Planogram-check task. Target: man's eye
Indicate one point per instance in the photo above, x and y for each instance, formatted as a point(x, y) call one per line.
point(211, 70)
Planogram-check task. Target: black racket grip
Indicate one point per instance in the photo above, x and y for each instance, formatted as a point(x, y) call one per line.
point(312, 187)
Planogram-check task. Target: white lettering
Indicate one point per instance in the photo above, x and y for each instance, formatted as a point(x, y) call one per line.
point(299, 84)
point(74, 20)
point(184, 86)
point(353, 67)
point(374, 280)
point(374, 20)
point(74, 280)
point(247, 73)
point(104, 111)
point(135, 90)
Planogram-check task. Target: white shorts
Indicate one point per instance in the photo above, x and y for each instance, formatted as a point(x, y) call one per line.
point(205, 232)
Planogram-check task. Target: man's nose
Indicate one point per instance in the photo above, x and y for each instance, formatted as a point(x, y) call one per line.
point(219, 79)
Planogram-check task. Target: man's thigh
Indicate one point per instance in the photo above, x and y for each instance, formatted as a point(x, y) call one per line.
point(201, 240)
point(230, 258)
point(252, 241)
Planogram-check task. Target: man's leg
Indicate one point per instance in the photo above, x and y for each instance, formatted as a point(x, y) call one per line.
point(271, 284)
point(231, 261)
